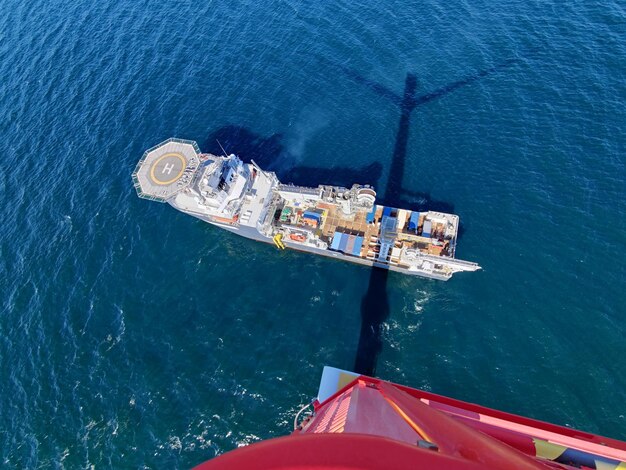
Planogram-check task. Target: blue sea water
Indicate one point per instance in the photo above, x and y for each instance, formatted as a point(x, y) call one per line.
point(134, 336)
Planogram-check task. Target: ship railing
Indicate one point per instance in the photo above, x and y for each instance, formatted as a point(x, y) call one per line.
point(298, 189)
point(453, 262)
point(297, 426)
point(143, 195)
point(136, 184)
point(193, 143)
point(413, 257)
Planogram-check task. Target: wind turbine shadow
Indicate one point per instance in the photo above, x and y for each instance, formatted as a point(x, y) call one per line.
point(375, 302)
point(270, 153)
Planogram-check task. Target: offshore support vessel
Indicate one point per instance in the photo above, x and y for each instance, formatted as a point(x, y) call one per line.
point(360, 422)
point(331, 221)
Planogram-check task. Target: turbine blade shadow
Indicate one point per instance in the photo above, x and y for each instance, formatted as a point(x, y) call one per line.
point(423, 99)
point(399, 101)
point(376, 87)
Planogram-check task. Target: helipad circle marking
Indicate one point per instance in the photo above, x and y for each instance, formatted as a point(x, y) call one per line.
point(165, 165)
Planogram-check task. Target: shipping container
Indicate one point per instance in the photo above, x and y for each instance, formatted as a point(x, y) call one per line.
point(358, 244)
point(414, 221)
point(336, 240)
point(344, 242)
point(427, 229)
point(312, 215)
point(402, 215)
point(350, 244)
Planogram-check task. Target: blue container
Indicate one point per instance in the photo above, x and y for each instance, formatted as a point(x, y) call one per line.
point(358, 244)
point(312, 215)
point(414, 221)
point(336, 240)
point(344, 242)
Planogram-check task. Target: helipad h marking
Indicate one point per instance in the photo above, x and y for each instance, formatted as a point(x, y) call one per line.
point(167, 169)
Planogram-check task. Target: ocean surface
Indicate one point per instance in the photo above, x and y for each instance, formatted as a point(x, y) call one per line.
point(134, 336)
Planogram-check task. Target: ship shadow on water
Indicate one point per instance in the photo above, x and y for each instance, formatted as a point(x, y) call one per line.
point(269, 153)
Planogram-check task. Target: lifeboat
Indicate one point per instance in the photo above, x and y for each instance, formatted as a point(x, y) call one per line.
point(225, 220)
point(297, 237)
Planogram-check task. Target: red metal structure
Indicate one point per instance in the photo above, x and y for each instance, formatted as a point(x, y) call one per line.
point(370, 423)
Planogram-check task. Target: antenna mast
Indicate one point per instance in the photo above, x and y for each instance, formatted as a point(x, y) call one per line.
point(218, 143)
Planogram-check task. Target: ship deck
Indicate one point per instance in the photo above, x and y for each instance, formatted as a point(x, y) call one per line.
point(334, 221)
point(252, 208)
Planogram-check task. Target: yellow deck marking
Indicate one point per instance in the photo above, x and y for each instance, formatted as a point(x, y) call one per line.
point(154, 165)
point(409, 421)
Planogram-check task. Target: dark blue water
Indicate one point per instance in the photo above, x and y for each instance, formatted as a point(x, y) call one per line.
point(134, 336)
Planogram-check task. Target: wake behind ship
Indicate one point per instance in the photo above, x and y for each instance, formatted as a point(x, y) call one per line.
point(328, 220)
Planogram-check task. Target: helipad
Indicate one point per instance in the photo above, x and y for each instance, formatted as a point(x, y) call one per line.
point(166, 169)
